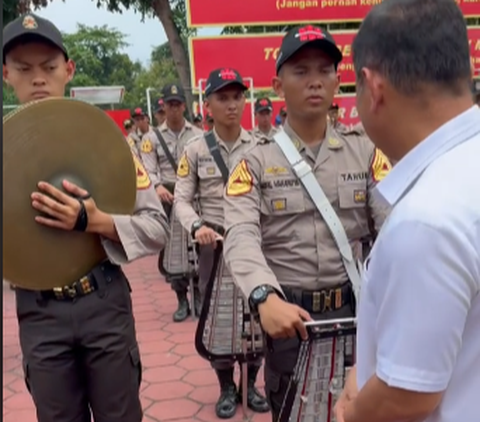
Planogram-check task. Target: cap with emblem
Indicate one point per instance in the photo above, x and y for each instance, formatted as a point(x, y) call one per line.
point(173, 92)
point(160, 106)
point(263, 104)
point(301, 36)
point(334, 106)
point(127, 124)
point(209, 118)
point(221, 78)
point(283, 111)
point(31, 28)
point(137, 112)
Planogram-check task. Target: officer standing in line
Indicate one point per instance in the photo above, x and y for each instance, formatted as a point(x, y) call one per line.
point(200, 173)
point(132, 137)
point(333, 116)
point(160, 149)
point(79, 346)
point(263, 115)
point(142, 125)
point(198, 121)
point(280, 250)
point(159, 113)
point(283, 116)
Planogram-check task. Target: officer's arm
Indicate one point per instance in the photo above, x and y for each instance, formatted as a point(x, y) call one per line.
point(186, 187)
point(242, 245)
point(148, 154)
point(379, 168)
point(129, 237)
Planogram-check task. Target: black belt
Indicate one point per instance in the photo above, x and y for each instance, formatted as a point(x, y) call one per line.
point(325, 300)
point(86, 285)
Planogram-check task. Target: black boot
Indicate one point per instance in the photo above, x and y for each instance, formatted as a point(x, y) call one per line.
point(255, 401)
point(183, 310)
point(226, 406)
point(197, 301)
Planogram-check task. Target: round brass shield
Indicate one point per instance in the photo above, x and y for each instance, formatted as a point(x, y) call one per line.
point(51, 140)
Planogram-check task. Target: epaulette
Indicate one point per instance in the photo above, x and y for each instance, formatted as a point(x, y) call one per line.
point(357, 130)
point(195, 139)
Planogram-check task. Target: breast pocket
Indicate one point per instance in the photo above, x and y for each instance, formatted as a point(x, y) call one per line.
point(352, 194)
point(208, 170)
point(283, 201)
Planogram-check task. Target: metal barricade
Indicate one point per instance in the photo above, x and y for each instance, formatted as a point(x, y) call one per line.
point(320, 372)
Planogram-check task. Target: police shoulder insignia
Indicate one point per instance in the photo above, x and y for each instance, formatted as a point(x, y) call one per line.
point(240, 181)
point(143, 181)
point(183, 166)
point(380, 166)
point(146, 146)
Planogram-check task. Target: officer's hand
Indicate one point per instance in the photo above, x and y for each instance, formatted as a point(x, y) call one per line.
point(62, 208)
point(164, 194)
point(349, 393)
point(206, 236)
point(280, 319)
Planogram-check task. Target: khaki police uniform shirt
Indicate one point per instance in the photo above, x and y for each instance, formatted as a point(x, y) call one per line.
point(275, 235)
point(198, 175)
point(259, 134)
point(153, 155)
point(143, 233)
point(134, 141)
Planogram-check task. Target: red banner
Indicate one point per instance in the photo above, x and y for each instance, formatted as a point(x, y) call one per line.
point(285, 12)
point(347, 111)
point(208, 53)
point(262, 51)
point(474, 39)
point(119, 116)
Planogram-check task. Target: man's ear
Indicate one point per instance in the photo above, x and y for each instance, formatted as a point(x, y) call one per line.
point(5, 75)
point(206, 105)
point(277, 87)
point(70, 70)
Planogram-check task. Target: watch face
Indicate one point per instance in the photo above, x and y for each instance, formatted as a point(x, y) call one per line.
point(258, 294)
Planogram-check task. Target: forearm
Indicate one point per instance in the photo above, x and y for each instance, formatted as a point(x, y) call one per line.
point(244, 256)
point(104, 225)
point(185, 213)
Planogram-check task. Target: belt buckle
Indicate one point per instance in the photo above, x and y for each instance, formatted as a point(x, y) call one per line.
point(327, 300)
point(85, 285)
point(67, 292)
point(316, 299)
point(338, 298)
point(58, 292)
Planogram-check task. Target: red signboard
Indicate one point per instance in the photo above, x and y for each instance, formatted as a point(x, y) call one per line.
point(119, 116)
point(254, 56)
point(284, 12)
point(262, 50)
point(474, 39)
point(347, 110)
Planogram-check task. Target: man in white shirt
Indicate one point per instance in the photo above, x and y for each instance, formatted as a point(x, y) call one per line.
point(418, 353)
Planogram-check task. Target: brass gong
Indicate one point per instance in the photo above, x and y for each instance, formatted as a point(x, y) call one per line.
point(52, 140)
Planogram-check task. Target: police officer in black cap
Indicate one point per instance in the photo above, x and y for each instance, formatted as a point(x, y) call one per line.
point(263, 115)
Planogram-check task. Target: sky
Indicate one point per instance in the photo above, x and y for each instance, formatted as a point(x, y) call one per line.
point(141, 36)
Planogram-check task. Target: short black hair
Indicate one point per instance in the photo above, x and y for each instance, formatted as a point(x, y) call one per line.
point(415, 43)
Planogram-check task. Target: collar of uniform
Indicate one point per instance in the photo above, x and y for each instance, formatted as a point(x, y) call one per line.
point(410, 167)
point(244, 136)
point(164, 128)
point(334, 141)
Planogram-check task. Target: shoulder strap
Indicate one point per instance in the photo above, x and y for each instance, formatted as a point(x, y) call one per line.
point(304, 173)
point(215, 151)
point(165, 149)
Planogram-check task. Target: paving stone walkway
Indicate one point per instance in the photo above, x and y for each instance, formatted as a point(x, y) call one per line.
point(177, 384)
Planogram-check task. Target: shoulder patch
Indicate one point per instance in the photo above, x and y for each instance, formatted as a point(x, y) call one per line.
point(380, 166)
point(240, 181)
point(183, 166)
point(146, 146)
point(143, 180)
point(194, 139)
point(131, 142)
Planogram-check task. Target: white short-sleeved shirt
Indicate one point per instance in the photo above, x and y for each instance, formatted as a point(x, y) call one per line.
point(419, 312)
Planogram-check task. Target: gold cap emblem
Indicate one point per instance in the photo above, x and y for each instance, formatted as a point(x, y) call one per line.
point(174, 90)
point(29, 22)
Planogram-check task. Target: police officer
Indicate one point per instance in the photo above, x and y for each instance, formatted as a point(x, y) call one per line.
point(277, 245)
point(283, 116)
point(333, 116)
point(160, 149)
point(159, 113)
point(263, 115)
point(132, 138)
point(142, 125)
point(199, 173)
point(80, 351)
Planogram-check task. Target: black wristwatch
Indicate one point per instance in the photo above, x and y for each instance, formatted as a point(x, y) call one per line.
point(195, 227)
point(259, 295)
